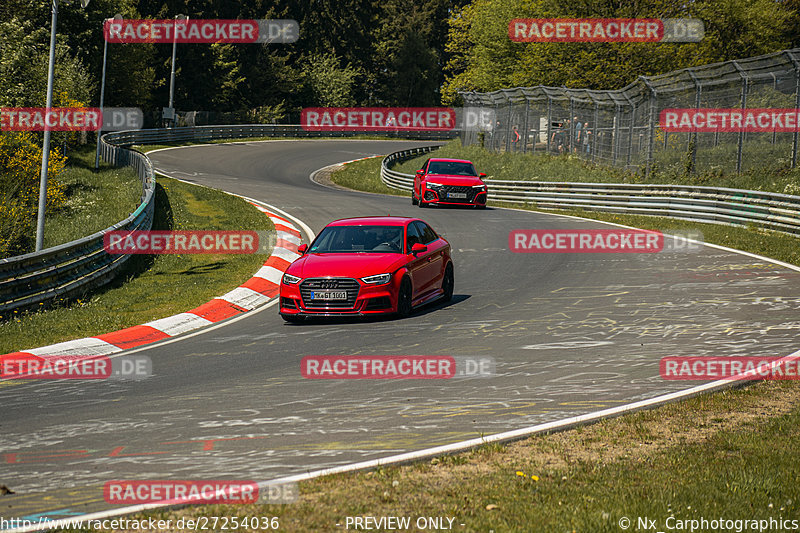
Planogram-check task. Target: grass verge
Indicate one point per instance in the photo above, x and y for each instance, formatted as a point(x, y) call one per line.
point(707, 457)
point(151, 287)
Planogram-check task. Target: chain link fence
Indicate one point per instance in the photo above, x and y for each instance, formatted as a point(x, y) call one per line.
point(620, 127)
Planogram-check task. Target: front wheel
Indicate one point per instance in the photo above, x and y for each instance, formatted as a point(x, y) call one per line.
point(413, 198)
point(448, 283)
point(404, 298)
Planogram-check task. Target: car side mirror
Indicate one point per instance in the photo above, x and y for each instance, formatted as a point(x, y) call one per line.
point(482, 175)
point(302, 249)
point(420, 172)
point(418, 248)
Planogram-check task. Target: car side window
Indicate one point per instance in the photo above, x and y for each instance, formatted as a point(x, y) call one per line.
point(413, 237)
point(425, 166)
point(426, 233)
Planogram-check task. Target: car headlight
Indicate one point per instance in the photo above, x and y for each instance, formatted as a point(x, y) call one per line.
point(433, 185)
point(290, 280)
point(479, 187)
point(378, 279)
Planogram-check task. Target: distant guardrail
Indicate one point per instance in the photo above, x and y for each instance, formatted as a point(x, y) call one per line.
point(716, 205)
point(211, 133)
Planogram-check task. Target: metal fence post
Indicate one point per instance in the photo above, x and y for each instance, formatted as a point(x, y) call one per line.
point(698, 91)
point(796, 64)
point(615, 140)
point(525, 127)
point(549, 120)
point(510, 105)
point(595, 130)
point(740, 146)
point(571, 120)
point(651, 126)
point(630, 129)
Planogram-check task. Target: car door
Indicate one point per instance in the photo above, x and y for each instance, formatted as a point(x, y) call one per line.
point(416, 264)
point(433, 257)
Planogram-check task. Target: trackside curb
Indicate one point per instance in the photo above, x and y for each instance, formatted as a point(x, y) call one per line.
point(259, 290)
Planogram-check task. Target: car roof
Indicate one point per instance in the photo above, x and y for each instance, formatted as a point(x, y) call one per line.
point(450, 160)
point(373, 221)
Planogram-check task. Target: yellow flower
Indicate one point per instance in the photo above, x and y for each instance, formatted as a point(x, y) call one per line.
point(519, 473)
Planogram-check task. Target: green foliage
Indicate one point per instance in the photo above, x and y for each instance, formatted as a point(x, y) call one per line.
point(23, 67)
point(330, 84)
point(485, 59)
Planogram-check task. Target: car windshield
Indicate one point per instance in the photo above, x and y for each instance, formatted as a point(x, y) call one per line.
point(361, 239)
point(454, 168)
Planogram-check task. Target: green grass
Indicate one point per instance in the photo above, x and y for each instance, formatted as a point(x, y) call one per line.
point(710, 456)
point(767, 171)
point(151, 287)
point(365, 176)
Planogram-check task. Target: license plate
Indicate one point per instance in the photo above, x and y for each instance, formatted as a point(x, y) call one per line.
point(329, 295)
point(456, 195)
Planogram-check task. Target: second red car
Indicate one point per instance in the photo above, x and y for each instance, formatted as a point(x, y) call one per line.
point(449, 182)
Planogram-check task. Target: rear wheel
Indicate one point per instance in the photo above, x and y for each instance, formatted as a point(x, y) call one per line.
point(404, 298)
point(448, 283)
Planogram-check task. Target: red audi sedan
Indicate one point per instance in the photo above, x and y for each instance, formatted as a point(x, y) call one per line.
point(368, 266)
point(449, 182)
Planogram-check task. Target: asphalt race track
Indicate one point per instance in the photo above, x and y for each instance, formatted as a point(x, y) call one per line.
point(570, 334)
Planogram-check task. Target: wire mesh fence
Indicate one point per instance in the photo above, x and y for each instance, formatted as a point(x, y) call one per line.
point(621, 127)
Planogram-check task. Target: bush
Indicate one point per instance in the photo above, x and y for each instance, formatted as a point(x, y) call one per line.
point(20, 166)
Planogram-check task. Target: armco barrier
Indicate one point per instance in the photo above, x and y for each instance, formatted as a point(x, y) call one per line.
point(210, 133)
point(70, 269)
point(774, 211)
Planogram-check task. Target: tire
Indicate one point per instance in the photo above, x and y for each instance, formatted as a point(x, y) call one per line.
point(413, 198)
point(404, 298)
point(422, 204)
point(292, 319)
point(448, 283)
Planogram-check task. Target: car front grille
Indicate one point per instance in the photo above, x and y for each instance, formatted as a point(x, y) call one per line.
point(310, 285)
point(445, 189)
